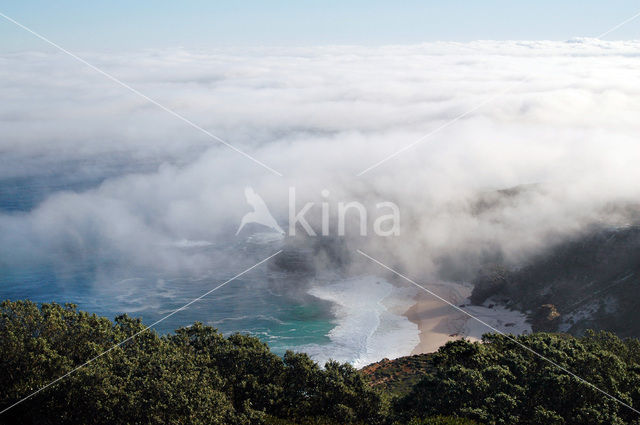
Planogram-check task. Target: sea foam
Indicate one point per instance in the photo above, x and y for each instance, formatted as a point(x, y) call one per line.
point(369, 321)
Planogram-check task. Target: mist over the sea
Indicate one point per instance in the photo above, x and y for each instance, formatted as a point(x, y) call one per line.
point(105, 193)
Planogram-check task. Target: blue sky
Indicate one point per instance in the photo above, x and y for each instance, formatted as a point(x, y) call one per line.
point(200, 24)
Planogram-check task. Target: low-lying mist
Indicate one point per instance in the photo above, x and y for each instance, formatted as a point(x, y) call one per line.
point(123, 185)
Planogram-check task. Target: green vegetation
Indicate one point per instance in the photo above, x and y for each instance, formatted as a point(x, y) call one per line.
point(198, 376)
point(499, 382)
point(442, 420)
point(195, 376)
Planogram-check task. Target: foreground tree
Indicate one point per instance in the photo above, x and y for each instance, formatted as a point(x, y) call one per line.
point(198, 376)
point(195, 376)
point(499, 382)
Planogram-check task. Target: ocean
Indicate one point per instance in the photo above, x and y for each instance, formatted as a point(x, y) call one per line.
point(288, 306)
point(329, 319)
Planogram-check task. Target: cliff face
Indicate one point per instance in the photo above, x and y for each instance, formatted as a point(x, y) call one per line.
point(591, 282)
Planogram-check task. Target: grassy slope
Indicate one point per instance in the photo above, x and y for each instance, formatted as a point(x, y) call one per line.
point(400, 375)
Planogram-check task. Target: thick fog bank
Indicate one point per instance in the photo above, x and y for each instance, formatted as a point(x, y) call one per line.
point(123, 184)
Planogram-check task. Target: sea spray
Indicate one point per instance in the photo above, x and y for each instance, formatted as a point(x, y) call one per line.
point(369, 324)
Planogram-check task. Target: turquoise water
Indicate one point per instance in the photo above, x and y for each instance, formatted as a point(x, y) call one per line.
point(261, 303)
point(252, 304)
point(276, 302)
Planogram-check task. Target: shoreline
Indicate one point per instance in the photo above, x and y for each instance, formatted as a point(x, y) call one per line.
point(439, 323)
point(366, 328)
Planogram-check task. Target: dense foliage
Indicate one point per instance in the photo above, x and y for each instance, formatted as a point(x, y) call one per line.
point(195, 376)
point(442, 420)
point(500, 382)
point(198, 376)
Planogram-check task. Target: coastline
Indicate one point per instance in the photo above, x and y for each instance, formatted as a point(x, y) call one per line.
point(440, 323)
point(437, 322)
point(366, 328)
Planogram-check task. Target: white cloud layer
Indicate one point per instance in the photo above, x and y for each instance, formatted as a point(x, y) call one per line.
point(320, 116)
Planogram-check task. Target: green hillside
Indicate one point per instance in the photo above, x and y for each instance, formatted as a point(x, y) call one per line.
point(198, 376)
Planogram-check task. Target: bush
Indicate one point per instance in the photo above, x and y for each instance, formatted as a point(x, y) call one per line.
point(198, 376)
point(499, 382)
point(442, 420)
point(195, 376)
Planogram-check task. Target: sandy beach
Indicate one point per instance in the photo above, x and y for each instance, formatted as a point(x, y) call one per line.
point(439, 322)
